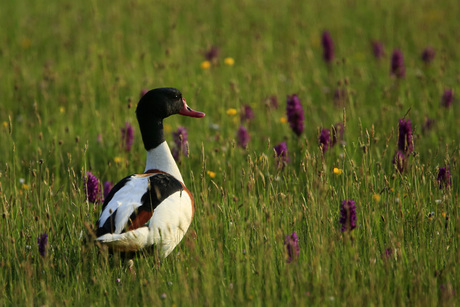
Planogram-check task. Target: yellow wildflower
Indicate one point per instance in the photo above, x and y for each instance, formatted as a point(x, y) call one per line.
point(338, 171)
point(118, 159)
point(62, 109)
point(205, 64)
point(25, 186)
point(26, 43)
point(231, 111)
point(211, 174)
point(376, 197)
point(283, 120)
point(315, 40)
point(444, 215)
point(167, 128)
point(5, 124)
point(263, 158)
point(430, 216)
point(229, 61)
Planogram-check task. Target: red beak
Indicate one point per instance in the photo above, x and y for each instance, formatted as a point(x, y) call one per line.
point(187, 111)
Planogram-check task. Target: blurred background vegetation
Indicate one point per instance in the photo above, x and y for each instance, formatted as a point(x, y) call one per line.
point(71, 74)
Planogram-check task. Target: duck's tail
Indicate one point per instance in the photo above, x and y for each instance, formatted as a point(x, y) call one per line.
point(130, 241)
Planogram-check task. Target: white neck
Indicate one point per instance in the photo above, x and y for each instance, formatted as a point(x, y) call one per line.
point(160, 158)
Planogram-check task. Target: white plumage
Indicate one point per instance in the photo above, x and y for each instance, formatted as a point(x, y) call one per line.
point(166, 228)
point(153, 208)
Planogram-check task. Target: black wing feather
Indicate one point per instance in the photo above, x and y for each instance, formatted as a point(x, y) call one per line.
point(161, 186)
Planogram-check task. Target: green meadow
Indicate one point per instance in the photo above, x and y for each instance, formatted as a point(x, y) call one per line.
point(71, 74)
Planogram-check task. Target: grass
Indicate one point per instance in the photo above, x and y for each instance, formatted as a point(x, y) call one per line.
point(71, 75)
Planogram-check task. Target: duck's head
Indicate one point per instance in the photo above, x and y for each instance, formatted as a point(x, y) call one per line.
point(156, 105)
point(162, 102)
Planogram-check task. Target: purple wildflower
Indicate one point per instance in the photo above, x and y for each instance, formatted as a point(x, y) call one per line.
point(428, 55)
point(212, 53)
point(107, 188)
point(247, 113)
point(243, 137)
point(175, 153)
point(180, 140)
point(388, 253)
point(281, 154)
point(447, 292)
point(92, 189)
point(337, 133)
point(444, 179)
point(399, 160)
point(405, 139)
point(348, 215)
point(292, 246)
point(143, 92)
point(405, 144)
point(127, 135)
point(273, 102)
point(340, 96)
point(328, 47)
point(42, 240)
point(378, 49)
point(295, 114)
point(324, 139)
point(397, 64)
point(427, 125)
point(447, 98)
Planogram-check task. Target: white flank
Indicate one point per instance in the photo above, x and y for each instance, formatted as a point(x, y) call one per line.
point(170, 221)
point(160, 158)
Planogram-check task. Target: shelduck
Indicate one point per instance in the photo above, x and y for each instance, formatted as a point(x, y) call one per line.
point(155, 207)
